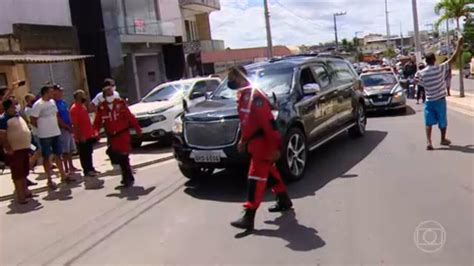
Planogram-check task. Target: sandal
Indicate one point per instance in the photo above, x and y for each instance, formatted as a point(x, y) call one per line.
point(429, 147)
point(445, 142)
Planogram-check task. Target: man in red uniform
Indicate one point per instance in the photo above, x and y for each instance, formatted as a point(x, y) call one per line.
point(259, 134)
point(117, 120)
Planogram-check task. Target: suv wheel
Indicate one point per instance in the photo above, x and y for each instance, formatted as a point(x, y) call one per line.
point(294, 155)
point(358, 130)
point(196, 172)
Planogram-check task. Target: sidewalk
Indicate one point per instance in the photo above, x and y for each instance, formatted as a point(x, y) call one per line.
point(149, 153)
point(464, 105)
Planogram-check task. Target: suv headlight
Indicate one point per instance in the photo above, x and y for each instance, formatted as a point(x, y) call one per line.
point(178, 125)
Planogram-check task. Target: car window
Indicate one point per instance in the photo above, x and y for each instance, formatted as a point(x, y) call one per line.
point(306, 77)
point(378, 79)
point(322, 76)
point(200, 87)
point(269, 80)
point(212, 85)
point(166, 93)
point(341, 72)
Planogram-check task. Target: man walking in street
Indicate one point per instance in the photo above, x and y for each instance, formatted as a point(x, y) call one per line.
point(433, 78)
point(44, 118)
point(260, 137)
point(114, 115)
point(83, 133)
point(68, 146)
point(16, 138)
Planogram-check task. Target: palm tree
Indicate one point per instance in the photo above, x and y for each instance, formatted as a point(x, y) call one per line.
point(454, 9)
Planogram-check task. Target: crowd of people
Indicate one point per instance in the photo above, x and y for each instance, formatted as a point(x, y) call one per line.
point(49, 129)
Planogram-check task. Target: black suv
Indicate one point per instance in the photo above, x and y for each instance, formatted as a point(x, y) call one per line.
point(316, 98)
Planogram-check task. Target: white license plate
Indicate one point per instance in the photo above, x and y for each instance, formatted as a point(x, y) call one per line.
point(207, 156)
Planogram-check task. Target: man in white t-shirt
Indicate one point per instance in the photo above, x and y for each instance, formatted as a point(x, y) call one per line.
point(99, 98)
point(44, 116)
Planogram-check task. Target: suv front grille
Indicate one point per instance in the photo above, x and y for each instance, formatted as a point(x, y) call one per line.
point(380, 97)
point(211, 134)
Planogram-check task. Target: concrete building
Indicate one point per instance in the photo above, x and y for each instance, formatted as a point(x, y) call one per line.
point(377, 43)
point(142, 43)
point(39, 46)
point(197, 37)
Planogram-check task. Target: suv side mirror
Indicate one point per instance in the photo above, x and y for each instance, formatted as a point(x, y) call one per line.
point(311, 89)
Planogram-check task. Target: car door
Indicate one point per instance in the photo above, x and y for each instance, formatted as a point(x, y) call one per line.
point(326, 109)
point(345, 80)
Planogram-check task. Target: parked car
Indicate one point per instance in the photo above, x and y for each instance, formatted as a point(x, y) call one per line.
point(383, 91)
point(316, 98)
point(157, 111)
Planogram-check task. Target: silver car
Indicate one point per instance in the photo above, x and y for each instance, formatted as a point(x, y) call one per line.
point(382, 91)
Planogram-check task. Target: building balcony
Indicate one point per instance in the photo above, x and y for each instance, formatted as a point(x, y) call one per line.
point(201, 6)
point(203, 46)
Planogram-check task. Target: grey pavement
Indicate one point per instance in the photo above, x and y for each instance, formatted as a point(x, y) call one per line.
point(360, 203)
point(468, 83)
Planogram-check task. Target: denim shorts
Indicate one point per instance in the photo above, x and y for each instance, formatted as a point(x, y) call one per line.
point(50, 146)
point(435, 113)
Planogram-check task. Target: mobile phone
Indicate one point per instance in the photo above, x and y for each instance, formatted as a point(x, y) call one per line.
point(21, 83)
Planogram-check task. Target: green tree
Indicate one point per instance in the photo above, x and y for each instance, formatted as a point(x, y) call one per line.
point(390, 53)
point(469, 32)
point(454, 9)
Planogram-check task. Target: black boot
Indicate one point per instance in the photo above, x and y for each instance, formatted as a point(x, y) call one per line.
point(246, 221)
point(283, 203)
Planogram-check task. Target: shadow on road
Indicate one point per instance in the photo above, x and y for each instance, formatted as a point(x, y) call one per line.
point(131, 193)
point(63, 193)
point(465, 149)
point(392, 113)
point(299, 237)
point(331, 161)
point(93, 183)
point(154, 148)
point(32, 205)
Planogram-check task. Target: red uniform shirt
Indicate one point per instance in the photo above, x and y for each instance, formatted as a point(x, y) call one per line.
point(258, 127)
point(116, 121)
point(80, 119)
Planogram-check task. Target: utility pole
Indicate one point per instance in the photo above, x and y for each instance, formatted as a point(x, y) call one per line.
point(335, 27)
point(388, 25)
point(417, 30)
point(269, 30)
point(401, 38)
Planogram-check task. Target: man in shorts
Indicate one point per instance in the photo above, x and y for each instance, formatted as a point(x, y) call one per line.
point(67, 141)
point(44, 118)
point(433, 78)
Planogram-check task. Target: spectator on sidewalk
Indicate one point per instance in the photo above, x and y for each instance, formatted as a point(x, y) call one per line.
point(68, 145)
point(30, 100)
point(433, 78)
point(99, 98)
point(83, 133)
point(420, 91)
point(44, 116)
point(16, 138)
point(449, 76)
point(114, 115)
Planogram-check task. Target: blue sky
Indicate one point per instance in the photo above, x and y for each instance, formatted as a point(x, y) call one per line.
point(240, 23)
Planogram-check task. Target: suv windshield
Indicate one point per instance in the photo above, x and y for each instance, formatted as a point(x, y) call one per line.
point(378, 79)
point(273, 80)
point(166, 93)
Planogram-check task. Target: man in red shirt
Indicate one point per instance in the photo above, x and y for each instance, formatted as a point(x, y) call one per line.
point(114, 115)
point(83, 133)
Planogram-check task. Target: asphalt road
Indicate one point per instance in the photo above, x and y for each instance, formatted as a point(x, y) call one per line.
point(360, 203)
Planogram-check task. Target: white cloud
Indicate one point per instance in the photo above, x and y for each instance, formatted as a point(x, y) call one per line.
point(241, 23)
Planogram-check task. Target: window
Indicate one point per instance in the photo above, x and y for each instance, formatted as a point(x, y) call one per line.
point(306, 77)
point(341, 72)
point(166, 93)
point(3, 79)
point(212, 85)
point(140, 16)
point(322, 76)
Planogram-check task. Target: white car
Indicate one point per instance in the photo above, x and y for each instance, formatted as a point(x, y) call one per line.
point(157, 111)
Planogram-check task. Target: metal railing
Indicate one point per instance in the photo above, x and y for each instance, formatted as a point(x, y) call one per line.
point(209, 3)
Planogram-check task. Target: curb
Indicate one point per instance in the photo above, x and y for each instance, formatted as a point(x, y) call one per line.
point(136, 166)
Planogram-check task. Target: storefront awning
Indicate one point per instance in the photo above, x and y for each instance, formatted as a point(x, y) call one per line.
point(41, 59)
